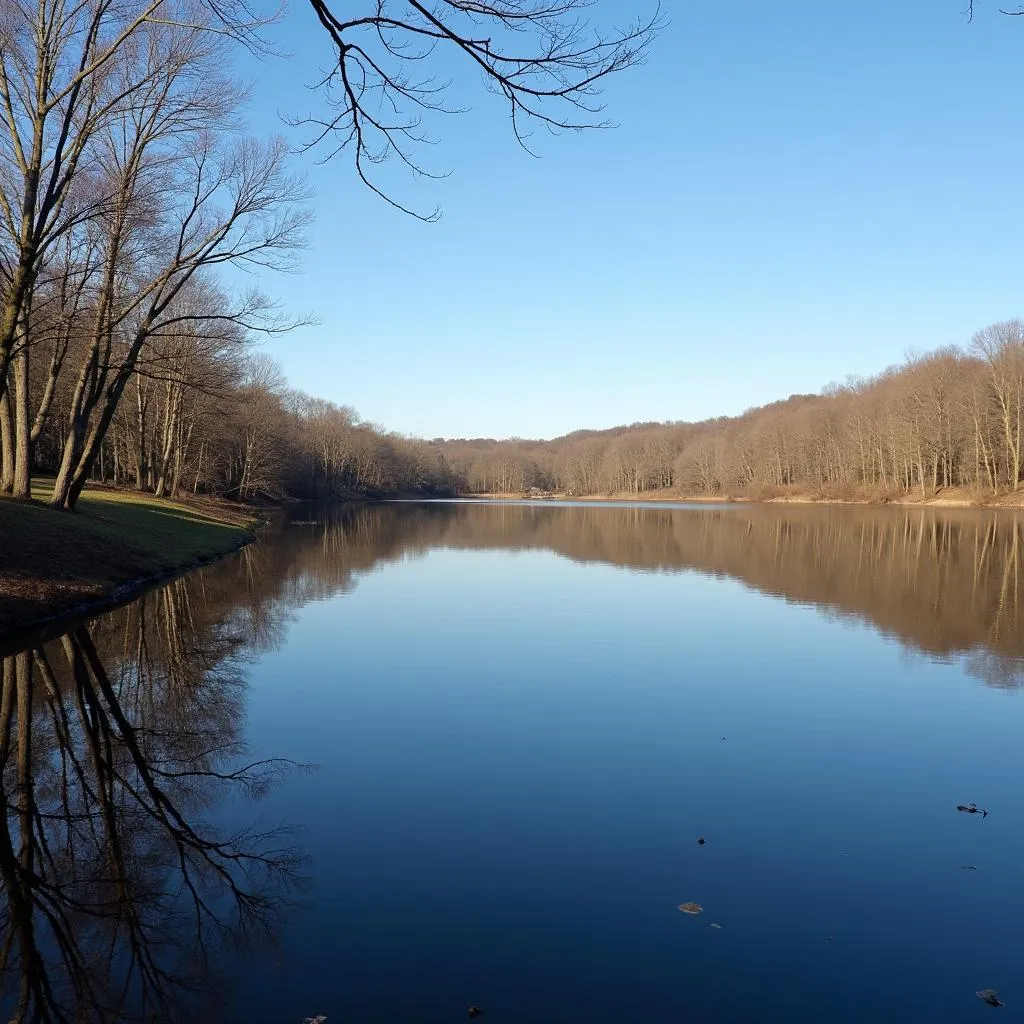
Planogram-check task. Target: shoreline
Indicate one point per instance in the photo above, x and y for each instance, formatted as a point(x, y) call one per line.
point(958, 499)
point(60, 567)
point(40, 630)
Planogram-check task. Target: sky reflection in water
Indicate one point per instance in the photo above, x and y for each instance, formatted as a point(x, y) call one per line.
point(524, 717)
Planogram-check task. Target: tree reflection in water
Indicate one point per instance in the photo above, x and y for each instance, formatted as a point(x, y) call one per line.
point(119, 898)
point(946, 583)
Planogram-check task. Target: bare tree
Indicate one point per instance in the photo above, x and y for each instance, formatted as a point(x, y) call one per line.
point(233, 204)
point(58, 89)
point(1001, 346)
point(544, 59)
point(74, 77)
point(970, 11)
point(263, 440)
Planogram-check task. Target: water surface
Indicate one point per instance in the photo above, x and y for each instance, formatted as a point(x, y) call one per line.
point(522, 719)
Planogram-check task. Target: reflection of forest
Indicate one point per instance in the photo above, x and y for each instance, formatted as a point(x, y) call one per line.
point(941, 581)
point(119, 899)
point(120, 737)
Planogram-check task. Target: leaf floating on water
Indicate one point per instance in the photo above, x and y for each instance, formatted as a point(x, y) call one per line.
point(972, 808)
point(690, 908)
point(990, 996)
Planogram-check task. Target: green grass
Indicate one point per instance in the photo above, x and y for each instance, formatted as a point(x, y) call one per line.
point(53, 561)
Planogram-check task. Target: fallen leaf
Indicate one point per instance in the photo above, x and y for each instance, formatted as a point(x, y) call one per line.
point(690, 908)
point(990, 996)
point(972, 808)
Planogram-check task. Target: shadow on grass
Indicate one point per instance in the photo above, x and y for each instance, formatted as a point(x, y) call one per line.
point(52, 560)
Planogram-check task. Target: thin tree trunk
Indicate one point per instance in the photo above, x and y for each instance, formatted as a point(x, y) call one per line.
point(90, 450)
point(6, 443)
point(199, 468)
point(22, 483)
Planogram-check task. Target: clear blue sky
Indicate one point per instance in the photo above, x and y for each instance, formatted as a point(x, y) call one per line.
point(796, 192)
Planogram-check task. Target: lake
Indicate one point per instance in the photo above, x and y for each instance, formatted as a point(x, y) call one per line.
point(393, 761)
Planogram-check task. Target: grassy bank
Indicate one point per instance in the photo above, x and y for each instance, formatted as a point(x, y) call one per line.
point(56, 563)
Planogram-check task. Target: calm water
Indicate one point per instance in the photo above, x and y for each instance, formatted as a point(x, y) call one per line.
point(522, 718)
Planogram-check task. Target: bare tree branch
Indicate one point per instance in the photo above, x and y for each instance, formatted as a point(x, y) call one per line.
point(543, 58)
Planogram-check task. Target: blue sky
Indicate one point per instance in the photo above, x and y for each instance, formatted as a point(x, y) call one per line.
point(795, 192)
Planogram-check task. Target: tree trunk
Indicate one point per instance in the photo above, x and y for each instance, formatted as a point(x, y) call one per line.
point(199, 467)
point(112, 397)
point(140, 423)
point(172, 409)
point(6, 443)
point(45, 403)
point(22, 483)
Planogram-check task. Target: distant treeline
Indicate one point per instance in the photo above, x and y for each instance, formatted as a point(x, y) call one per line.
point(225, 422)
point(213, 419)
point(950, 418)
point(258, 438)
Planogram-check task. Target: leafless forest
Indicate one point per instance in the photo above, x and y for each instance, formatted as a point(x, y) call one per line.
point(133, 201)
point(131, 198)
point(952, 418)
point(203, 415)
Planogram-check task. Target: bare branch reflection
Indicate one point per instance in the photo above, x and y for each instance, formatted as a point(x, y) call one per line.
point(121, 740)
point(119, 898)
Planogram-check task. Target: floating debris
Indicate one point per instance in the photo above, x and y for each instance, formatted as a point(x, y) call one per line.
point(318, 1019)
point(717, 927)
point(700, 842)
point(690, 908)
point(968, 867)
point(830, 938)
point(971, 808)
point(475, 1011)
point(990, 996)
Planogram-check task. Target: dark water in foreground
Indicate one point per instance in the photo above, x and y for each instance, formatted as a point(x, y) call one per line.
point(523, 718)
